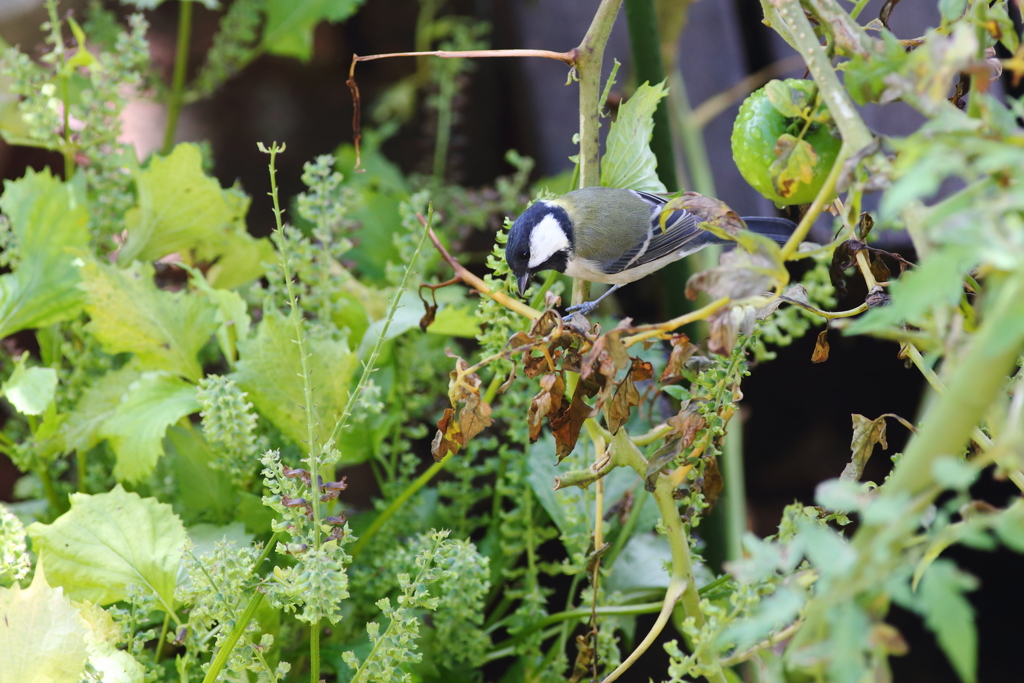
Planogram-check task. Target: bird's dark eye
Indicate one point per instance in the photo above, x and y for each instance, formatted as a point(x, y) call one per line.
point(524, 254)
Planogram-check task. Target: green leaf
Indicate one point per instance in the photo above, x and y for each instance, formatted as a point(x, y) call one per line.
point(949, 615)
point(270, 371)
point(232, 316)
point(108, 541)
point(628, 160)
point(937, 281)
point(951, 9)
point(30, 390)
point(49, 219)
point(42, 636)
point(290, 23)
point(205, 493)
point(790, 102)
point(95, 407)
point(182, 210)
point(164, 330)
point(136, 428)
point(793, 166)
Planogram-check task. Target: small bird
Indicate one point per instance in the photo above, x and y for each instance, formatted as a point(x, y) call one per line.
point(611, 235)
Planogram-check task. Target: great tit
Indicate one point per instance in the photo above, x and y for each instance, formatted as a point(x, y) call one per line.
point(610, 235)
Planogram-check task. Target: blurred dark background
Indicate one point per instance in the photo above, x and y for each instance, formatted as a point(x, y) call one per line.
point(797, 415)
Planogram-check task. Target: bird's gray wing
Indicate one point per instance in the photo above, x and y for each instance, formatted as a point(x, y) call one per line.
point(681, 235)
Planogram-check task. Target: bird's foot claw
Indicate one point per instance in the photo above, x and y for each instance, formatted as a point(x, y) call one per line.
point(581, 310)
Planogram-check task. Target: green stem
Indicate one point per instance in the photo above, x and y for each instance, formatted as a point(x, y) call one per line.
point(682, 585)
point(735, 492)
point(858, 8)
point(398, 502)
point(236, 632)
point(314, 652)
point(162, 638)
point(643, 39)
point(178, 78)
point(51, 491)
point(590, 55)
point(444, 127)
point(80, 466)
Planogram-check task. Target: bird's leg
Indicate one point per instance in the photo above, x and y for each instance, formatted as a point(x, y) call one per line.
point(587, 307)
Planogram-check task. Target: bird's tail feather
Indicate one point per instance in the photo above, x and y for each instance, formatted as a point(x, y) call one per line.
point(779, 229)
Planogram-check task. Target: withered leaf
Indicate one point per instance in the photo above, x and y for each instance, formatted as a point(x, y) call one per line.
point(544, 325)
point(661, 459)
point(865, 226)
point(549, 401)
point(586, 655)
point(641, 370)
point(687, 422)
point(820, 354)
point(726, 325)
point(428, 316)
point(797, 293)
point(448, 438)
point(474, 417)
point(626, 396)
point(508, 382)
point(607, 355)
point(682, 350)
point(794, 164)
point(469, 384)
point(739, 275)
point(842, 258)
point(566, 425)
point(866, 433)
point(534, 365)
point(713, 484)
point(877, 297)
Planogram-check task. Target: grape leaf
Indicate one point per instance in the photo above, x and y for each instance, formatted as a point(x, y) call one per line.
point(164, 330)
point(42, 636)
point(109, 540)
point(30, 390)
point(793, 166)
point(49, 219)
point(270, 371)
point(628, 160)
point(137, 426)
point(290, 23)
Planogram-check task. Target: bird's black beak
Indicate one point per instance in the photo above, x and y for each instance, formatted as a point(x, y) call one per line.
point(524, 282)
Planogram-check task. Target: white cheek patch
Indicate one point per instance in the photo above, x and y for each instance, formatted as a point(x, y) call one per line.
point(546, 240)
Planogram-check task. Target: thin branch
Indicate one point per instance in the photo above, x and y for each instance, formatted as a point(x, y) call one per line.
point(479, 285)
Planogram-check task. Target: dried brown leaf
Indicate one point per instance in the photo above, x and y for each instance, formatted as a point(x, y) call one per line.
point(474, 417)
point(626, 396)
point(661, 459)
point(713, 484)
point(448, 438)
point(549, 401)
point(682, 350)
point(566, 425)
point(820, 354)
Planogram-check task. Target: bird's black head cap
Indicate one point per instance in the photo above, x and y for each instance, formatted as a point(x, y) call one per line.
point(519, 246)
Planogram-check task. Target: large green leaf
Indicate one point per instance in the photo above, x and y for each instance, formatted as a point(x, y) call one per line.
point(96, 406)
point(110, 540)
point(164, 330)
point(290, 23)
point(182, 210)
point(206, 493)
point(30, 390)
point(628, 160)
point(137, 426)
point(49, 219)
point(270, 371)
point(42, 636)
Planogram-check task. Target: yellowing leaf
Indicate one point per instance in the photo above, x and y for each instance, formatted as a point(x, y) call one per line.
point(109, 540)
point(96, 406)
point(794, 165)
point(42, 636)
point(30, 390)
point(628, 160)
point(164, 330)
point(49, 219)
point(270, 371)
point(182, 210)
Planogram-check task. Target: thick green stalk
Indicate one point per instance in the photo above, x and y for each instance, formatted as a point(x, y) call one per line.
point(647, 65)
point(178, 79)
point(217, 665)
point(590, 55)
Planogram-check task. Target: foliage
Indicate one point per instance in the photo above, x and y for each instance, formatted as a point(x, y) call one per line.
point(186, 441)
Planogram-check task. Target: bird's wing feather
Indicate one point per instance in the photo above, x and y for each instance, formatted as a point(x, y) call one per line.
point(681, 235)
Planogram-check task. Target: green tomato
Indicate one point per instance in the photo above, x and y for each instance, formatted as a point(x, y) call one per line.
point(756, 148)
